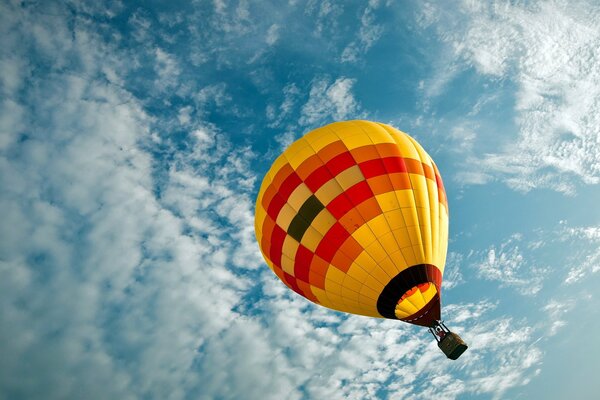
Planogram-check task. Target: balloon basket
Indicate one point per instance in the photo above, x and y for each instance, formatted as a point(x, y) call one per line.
point(449, 342)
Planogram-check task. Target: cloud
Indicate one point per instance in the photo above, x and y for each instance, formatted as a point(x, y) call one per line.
point(508, 266)
point(584, 250)
point(368, 34)
point(556, 311)
point(128, 257)
point(329, 100)
point(452, 274)
point(548, 51)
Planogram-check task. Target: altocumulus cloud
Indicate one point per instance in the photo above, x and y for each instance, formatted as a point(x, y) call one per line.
point(548, 52)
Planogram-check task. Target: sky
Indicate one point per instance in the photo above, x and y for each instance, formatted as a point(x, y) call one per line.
point(134, 137)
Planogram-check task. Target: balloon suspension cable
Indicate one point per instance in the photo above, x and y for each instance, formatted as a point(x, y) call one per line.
point(439, 330)
point(449, 342)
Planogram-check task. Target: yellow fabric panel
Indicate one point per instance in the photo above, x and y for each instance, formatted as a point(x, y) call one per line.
point(277, 165)
point(378, 133)
point(357, 272)
point(285, 216)
point(300, 156)
point(406, 198)
point(329, 191)
point(419, 186)
point(350, 295)
point(287, 264)
point(423, 156)
point(352, 284)
point(425, 225)
point(407, 307)
point(345, 128)
point(321, 295)
point(349, 177)
point(368, 293)
point(379, 224)
point(389, 266)
point(311, 238)
point(415, 302)
point(259, 220)
point(419, 254)
point(364, 235)
point(333, 287)
point(350, 298)
point(398, 259)
point(320, 138)
point(290, 247)
point(401, 314)
point(299, 196)
point(409, 255)
point(335, 275)
point(356, 140)
point(429, 293)
point(365, 261)
point(388, 201)
point(338, 300)
point(376, 251)
point(402, 236)
point(395, 220)
point(323, 221)
point(373, 283)
point(434, 221)
point(388, 241)
point(260, 213)
point(380, 274)
point(414, 233)
point(297, 152)
point(404, 144)
point(410, 216)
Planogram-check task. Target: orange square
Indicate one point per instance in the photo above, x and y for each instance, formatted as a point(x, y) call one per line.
point(380, 184)
point(351, 248)
point(364, 153)
point(341, 261)
point(268, 196)
point(316, 279)
point(400, 181)
point(332, 150)
point(369, 209)
point(428, 171)
point(281, 175)
point(352, 220)
point(388, 150)
point(305, 287)
point(318, 265)
point(308, 166)
point(414, 166)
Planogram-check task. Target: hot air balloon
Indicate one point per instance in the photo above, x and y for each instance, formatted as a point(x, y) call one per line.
point(353, 216)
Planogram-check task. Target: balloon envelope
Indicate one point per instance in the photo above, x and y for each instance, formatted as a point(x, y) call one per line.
point(354, 217)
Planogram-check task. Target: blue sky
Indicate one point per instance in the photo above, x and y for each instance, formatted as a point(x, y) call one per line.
point(133, 139)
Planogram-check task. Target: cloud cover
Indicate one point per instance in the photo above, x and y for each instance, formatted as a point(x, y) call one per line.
point(127, 255)
point(547, 50)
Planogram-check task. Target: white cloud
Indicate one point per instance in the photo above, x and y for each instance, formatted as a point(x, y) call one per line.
point(272, 34)
point(368, 34)
point(584, 250)
point(452, 274)
point(556, 310)
point(167, 70)
point(548, 50)
point(507, 265)
point(329, 100)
